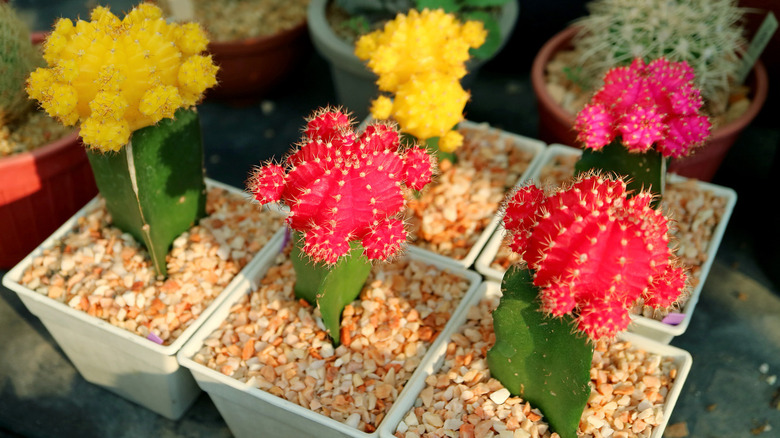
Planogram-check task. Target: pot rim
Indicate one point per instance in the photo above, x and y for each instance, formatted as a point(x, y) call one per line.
point(259, 43)
point(560, 39)
point(40, 153)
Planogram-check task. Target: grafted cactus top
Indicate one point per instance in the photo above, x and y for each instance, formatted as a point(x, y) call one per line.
point(420, 58)
point(341, 186)
point(594, 252)
point(116, 76)
point(646, 104)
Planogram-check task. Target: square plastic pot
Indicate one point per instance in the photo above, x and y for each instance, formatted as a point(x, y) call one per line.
point(123, 362)
point(248, 410)
point(682, 360)
point(642, 325)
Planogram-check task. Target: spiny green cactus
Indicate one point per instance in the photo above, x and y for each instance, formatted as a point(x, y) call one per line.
point(154, 186)
point(707, 34)
point(18, 57)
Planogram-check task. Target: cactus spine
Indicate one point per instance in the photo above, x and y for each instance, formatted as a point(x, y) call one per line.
point(131, 84)
point(592, 253)
point(18, 57)
point(346, 194)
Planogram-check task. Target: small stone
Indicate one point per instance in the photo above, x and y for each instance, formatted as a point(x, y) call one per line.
point(500, 396)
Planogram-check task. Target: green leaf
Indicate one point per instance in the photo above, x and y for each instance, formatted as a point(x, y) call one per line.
point(493, 41)
point(448, 6)
point(330, 287)
point(154, 187)
point(645, 170)
point(539, 358)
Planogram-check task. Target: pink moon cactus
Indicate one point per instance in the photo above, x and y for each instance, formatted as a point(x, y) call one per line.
point(593, 252)
point(342, 186)
point(646, 104)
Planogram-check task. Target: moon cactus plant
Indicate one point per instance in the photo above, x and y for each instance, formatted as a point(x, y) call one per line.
point(643, 114)
point(591, 252)
point(346, 195)
point(420, 58)
point(132, 84)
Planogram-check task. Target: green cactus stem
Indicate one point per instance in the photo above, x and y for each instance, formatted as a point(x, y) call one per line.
point(18, 57)
point(330, 287)
point(154, 186)
point(544, 360)
point(644, 171)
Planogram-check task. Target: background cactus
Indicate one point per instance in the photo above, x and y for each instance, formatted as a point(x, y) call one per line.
point(592, 253)
point(346, 197)
point(420, 58)
point(125, 81)
point(707, 34)
point(18, 57)
point(642, 114)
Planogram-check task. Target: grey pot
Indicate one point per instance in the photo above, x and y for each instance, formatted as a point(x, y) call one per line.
point(354, 83)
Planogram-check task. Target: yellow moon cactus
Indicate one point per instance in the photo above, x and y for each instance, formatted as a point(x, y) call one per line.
point(116, 76)
point(420, 58)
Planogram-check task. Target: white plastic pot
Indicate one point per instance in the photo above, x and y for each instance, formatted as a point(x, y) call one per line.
point(644, 326)
point(682, 360)
point(249, 411)
point(123, 362)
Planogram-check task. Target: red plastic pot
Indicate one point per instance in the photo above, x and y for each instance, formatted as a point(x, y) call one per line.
point(250, 68)
point(556, 125)
point(39, 191)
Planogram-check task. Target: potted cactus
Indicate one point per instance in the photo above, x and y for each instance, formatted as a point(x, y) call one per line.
point(124, 283)
point(336, 25)
point(421, 90)
point(643, 115)
point(255, 43)
point(43, 169)
point(709, 36)
point(547, 364)
point(329, 338)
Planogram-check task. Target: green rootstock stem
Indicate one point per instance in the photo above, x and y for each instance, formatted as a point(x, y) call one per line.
point(540, 358)
point(330, 287)
point(432, 145)
point(645, 170)
point(154, 186)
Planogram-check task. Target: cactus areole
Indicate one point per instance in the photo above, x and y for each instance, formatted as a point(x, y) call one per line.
point(592, 253)
point(346, 194)
point(642, 115)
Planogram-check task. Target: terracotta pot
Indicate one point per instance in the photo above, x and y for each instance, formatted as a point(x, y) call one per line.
point(252, 67)
point(39, 191)
point(556, 125)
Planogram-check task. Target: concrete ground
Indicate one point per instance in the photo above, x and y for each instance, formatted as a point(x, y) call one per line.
point(734, 336)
